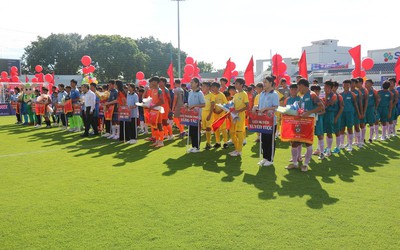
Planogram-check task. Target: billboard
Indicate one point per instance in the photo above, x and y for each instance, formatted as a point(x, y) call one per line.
point(6, 64)
point(329, 66)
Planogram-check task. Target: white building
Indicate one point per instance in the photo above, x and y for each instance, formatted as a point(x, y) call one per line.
point(327, 52)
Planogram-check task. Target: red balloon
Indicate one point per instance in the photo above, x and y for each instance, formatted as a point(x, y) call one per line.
point(14, 73)
point(4, 74)
point(233, 66)
point(86, 60)
point(142, 83)
point(363, 73)
point(197, 71)
point(41, 77)
point(38, 68)
point(282, 68)
point(139, 75)
point(235, 73)
point(91, 69)
point(276, 58)
point(189, 60)
point(186, 79)
point(14, 69)
point(15, 79)
point(34, 79)
point(367, 63)
point(48, 78)
point(85, 70)
point(189, 69)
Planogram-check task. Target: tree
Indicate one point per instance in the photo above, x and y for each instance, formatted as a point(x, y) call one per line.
point(205, 67)
point(56, 53)
point(114, 56)
point(160, 55)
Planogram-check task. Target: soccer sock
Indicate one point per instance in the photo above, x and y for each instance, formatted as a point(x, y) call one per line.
point(153, 133)
point(321, 145)
point(169, 128)
point(295, 156)
point(208, 137)
point(240, 139)
point(225, 135)
point(350, 139)
point(377, 130)
point(337, 141)
point(71, 122)
point(299, 148)
point(363, 130)
point(358, 140)
point(329, 142)
point(217, 135)
point(308, 155)
point(384, 130)
point(161, 135)
point(371, 132)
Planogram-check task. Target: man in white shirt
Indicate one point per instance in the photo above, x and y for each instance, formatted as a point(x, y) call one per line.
point(90, 104)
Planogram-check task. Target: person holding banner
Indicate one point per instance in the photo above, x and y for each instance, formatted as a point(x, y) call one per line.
point(220, 98)
point(237, 130)
point(112, 109)
point(195, 101)
point(310, 105)
point(267, 103)
point(88, 113)
point(155, 120)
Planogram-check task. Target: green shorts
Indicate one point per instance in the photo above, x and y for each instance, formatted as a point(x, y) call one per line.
point(370, 115)
point(347, 120)
point(319, 126)
point(329, 118)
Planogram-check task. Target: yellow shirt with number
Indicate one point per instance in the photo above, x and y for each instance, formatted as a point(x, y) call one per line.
point(257, 100)
point(240, 99)
point(220, 98)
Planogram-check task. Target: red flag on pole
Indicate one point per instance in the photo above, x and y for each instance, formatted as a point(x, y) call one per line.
point(303, 65)
point(228, 71)
point(397, 70)
point(249, 73)
point(355, 53)
point(26, 79)
point(170, 73)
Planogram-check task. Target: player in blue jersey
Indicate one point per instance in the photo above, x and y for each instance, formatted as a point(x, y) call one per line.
point(393, 118)
point(373, 101)
point(338, 117)
point(363, 108)
point(385, 107)
point(357, 116)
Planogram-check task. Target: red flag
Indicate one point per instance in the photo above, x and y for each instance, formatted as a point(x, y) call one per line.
point(303, 65)
point(355, 53)
point(397, 70)
point(170, 73)
point(217, 123)
point(228, 71)
point(249, 73)
point(26, 79)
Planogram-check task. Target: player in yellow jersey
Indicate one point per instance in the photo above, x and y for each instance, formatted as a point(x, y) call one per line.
point(241, 102)
point(207, 111)
point(220, 98)
point(259, 89)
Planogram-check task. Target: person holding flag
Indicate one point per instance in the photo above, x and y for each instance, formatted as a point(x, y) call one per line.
point(237, 130)
point(207, 111)
point(218, 112)
point(268, 102)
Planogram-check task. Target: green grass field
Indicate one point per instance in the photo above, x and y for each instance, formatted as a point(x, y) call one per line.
point(58, 190)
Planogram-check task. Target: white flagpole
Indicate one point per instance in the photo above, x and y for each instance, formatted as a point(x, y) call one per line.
point(187, 142)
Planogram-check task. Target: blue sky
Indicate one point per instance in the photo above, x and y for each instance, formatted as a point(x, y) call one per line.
point(211, 31)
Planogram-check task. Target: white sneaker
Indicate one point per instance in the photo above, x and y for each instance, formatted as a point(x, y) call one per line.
point(106, 135)
point(110, 136)
point(78, 130)
point(244, 142)
point(233, 152)
point(328, 152)
point(236, 153)
point(267, 163)
point(115, 137)
point(342, 146)
point(193, 150)
point(171, 137)
point(383, 138)
point(133, 141)
point(349, 149)
point(262, 162)
point(71, 130)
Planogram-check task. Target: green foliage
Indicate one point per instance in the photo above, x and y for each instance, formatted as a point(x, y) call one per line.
point(205, 67)
point(60, 191)
point(114, 56)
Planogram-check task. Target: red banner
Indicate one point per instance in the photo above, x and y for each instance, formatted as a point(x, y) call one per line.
point(297, 128)
point(59, 109)
point(14, 105)
point(109, 113)
point(77, 109)
point(39, 108)
point(124, 113)
point(101, 111)
point(189, 117)
point(261, 122)
point(68, 107)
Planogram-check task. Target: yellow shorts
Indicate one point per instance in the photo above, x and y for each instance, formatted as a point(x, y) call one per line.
point(204, 123)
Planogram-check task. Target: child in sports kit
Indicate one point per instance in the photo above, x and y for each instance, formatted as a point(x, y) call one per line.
point(373, 101)
point(385, 107)
point(241, 102)
point(363, 108)
point(311, 104)
point(338, 117)
point(349, 110)
point(330, 101)
point(393, 118)
point(167, 128)
point(319, 126)
point(217, 113)
point(207, 111)
point(157, 100)
point(357, 116)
